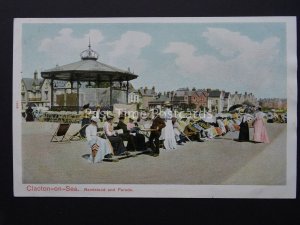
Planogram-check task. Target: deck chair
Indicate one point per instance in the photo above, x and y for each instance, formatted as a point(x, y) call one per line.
point(60, 132)
point(77, 136)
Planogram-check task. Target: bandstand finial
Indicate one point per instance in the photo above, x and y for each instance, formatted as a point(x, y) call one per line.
point(89, 53)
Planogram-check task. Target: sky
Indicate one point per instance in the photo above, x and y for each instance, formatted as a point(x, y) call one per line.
point(236, 56)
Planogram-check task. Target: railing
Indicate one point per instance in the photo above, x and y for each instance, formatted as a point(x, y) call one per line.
point(34, 99)
point(74, 108)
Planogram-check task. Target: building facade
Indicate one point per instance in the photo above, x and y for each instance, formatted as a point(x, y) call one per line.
point(35, 92)
point(146, 95)
point(273, 103)
point(246, 98)
point(215, 101)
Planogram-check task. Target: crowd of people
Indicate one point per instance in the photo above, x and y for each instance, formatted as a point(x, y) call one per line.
point(162, 129)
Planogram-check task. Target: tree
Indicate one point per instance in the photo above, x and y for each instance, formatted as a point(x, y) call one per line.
point(184, 106)
point(192, 106)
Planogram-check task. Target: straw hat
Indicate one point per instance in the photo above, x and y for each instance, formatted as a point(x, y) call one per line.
point(167, 103)
point(110, 116)
point(95, 119)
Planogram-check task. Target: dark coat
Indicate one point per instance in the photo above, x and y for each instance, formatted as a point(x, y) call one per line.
point(158, 123)
point(123, 126)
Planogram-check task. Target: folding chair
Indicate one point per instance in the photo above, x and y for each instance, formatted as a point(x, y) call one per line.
point(77, 134)
point(60, 132)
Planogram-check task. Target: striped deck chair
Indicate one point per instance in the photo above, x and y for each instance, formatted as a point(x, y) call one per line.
point(61, 131)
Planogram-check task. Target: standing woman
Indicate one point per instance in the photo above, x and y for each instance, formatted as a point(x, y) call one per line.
point(244, 129)
point(168, 134)
point(29, 114)
point(85, 118)
point(260, 131)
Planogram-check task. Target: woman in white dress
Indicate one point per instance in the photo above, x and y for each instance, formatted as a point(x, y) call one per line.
point(99, 147)
point(168, 134)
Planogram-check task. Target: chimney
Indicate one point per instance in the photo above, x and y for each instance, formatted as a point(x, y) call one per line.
point(145, 90)
point(35, 75)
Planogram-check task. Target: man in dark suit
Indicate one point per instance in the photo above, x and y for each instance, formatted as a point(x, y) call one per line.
point(126, 134)
point(157, 125)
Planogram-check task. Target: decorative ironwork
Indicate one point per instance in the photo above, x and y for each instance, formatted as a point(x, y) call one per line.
point(89, 53)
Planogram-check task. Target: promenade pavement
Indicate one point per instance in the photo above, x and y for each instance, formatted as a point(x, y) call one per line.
point(218, 161)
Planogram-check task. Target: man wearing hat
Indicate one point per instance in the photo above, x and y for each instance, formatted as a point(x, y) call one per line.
point(98, 146)
point(126, 134)
point(138, 140)
point(157, 125)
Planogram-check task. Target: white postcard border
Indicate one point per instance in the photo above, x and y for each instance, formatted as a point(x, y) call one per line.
point(160, 191)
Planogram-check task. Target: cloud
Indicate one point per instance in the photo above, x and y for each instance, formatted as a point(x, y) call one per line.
point(128, 48)
point(235, 58)
point(125, 52)
point(65, 44)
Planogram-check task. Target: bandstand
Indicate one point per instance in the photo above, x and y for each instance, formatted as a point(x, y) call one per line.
point(88, 69)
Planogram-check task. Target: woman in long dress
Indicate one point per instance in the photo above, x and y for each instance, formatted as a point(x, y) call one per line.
point(260, 131)
point(244, 129)
point(29, 114)
point(168, 134)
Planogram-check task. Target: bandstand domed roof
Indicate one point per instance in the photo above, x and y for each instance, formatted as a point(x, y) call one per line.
point(88, 69)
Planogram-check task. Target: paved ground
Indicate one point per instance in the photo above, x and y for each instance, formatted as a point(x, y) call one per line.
point(220, 161)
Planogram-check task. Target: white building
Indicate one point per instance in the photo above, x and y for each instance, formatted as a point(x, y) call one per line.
point(133, 97)
point(215, 101)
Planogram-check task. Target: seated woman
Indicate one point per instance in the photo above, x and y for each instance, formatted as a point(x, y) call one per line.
point(125, 135)
point(231, 125)
point(115, 140)
point(192, 133)
point(98, 146)
point(138, 140)
point(178, 136)
point(221, 125)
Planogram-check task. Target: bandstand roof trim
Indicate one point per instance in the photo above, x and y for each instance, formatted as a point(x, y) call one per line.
point(88, 70)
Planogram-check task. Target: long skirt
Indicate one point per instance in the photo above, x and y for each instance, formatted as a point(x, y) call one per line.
point(177, 134)
point(244, 132)
point(103, 150)
point(139, 142)
point(84, 122)
point(260, 132)
point(117, 144)
point(168, 136)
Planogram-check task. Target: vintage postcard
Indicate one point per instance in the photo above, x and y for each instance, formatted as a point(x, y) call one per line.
point(155, 107)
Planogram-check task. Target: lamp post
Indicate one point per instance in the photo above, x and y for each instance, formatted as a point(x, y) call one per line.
point(172, 96)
